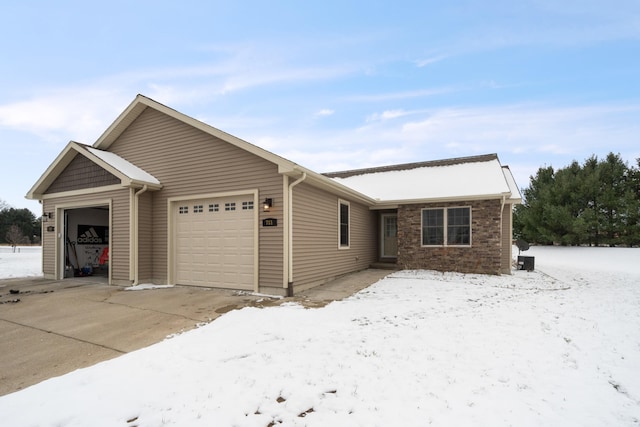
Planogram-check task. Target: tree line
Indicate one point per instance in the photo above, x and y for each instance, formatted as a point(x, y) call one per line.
point(18, 226)
point(595, 203)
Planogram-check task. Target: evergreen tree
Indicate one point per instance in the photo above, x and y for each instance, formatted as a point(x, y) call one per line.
point(24, 219)
point(528, 220)
point(590, 188)
point(597, 203)
point(631, 234)
point(613, 195)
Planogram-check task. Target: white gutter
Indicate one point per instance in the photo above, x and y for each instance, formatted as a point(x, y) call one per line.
point(136, 237)
point(290, 234)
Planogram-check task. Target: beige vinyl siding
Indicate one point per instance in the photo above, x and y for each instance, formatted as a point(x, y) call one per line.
point(316, 256)
point(82, 173)
point(188, 162)
point(49, 241)
point(118, 234)
point(145, 238)
point(270, 239)
point(507, 216)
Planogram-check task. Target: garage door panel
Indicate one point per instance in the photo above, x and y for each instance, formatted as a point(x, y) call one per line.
point(215, 248)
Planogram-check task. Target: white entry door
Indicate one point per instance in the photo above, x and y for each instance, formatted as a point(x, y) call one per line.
point(214, 244)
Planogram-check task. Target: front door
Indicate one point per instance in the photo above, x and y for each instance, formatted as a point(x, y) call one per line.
point(389, 236)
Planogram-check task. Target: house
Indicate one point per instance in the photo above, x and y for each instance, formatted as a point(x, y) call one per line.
point(171, 200)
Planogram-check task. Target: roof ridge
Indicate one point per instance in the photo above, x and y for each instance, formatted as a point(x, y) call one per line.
point(414, 165)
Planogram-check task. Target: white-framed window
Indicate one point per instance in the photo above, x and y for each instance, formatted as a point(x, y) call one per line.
point(198, 209)
point(344, 224)
point(446, 226)
point(247, 206)
point(183, 210)
point(214, 207)
point(230, 206)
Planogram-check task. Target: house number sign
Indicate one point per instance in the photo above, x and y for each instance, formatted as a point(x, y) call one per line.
point(270, 222)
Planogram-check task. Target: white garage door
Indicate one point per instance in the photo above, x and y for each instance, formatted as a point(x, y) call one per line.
point(215, 242)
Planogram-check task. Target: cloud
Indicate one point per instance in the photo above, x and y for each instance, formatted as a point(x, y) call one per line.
point(74, 113)
point(400, 95)
point(545, 24)
point(389, 115)
point(420, 63)
point(525, 136)
point(325, 112)
point(527, 127)
point(83, 111)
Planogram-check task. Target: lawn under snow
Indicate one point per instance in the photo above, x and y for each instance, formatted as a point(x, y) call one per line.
point(559, 346)
point(26, 261)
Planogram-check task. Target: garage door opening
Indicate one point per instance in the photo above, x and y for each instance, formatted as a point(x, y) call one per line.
point(86, 242)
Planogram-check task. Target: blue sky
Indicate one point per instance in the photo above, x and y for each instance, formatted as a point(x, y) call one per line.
point(329, 85)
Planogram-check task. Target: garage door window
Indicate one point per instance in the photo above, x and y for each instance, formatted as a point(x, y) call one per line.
point(247, 206)
point(197, 209)
point(214, 207)
point(183, 210)
point(230, 206)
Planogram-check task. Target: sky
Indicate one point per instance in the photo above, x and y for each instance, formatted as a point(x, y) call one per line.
point(331, 85)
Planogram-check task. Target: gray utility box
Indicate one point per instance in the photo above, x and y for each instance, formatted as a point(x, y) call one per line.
point(526, 263)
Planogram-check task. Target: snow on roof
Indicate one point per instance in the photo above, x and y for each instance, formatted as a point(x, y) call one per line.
point(469, 177)
point(513, 187)
point(122, 165)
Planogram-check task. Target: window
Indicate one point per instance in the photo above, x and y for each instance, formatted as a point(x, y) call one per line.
point(446, 227)
point(214, 207)
point(230, 206)
point(458, 226)
point(343, 219)
point(433, 227)
point(183, 209)
point(247, 206)
point(197, 209)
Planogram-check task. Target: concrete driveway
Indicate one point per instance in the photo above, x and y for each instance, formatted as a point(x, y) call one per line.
point(49, 328)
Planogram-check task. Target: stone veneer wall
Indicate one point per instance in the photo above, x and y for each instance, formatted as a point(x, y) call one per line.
point(483, 256)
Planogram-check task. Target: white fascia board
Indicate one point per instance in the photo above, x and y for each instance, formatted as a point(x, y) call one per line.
point(51, 173)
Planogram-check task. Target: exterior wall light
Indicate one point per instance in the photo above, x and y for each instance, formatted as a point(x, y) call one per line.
point(267, 204)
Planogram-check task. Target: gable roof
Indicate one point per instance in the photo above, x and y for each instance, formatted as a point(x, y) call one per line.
point(285, 167)
point(129, 174)
point(482, 176)
point(141, 102)
point(468, 178)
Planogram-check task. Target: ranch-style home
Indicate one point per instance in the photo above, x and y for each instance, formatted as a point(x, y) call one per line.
point(166, 199)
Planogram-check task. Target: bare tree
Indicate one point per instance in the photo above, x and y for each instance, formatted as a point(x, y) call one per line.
point(15, 237)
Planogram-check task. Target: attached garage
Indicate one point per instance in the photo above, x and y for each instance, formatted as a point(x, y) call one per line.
point(215, 241)
point(181, 202)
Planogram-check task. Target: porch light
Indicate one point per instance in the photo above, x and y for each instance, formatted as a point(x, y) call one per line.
point(268, 203)
point(47, 216)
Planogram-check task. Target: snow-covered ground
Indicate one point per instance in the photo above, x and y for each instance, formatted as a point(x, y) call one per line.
point(559, 346)
point(26, 261)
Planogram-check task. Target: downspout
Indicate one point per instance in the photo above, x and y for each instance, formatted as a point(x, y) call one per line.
point(504, 198)
point(290, 234)
point(135, 242)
